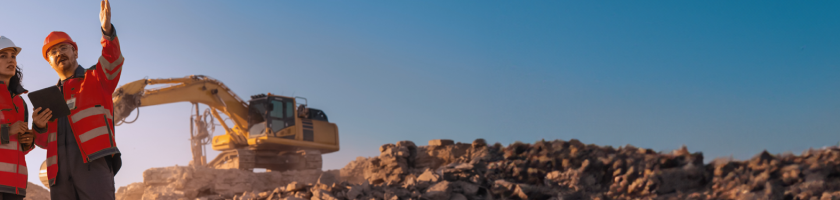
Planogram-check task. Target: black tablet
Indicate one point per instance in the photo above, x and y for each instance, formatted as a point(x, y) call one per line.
point(52, 98)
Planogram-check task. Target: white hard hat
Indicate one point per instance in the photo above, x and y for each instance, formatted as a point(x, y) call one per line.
point(7, 43)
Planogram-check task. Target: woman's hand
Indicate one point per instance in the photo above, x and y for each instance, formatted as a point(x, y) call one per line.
point(26, 139)
point(41, 118)
point(18, 128)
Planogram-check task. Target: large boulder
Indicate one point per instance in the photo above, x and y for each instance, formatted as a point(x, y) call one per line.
point(132, 191)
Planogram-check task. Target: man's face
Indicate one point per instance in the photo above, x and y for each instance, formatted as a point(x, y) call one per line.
point(8, 62)
point(62, 57)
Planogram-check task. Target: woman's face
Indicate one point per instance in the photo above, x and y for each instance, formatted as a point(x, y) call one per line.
point(8, 62)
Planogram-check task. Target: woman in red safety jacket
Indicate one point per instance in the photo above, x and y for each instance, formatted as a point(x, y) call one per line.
point(15, 138)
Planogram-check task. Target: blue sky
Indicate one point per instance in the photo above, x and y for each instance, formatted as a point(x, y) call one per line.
point(722, 77)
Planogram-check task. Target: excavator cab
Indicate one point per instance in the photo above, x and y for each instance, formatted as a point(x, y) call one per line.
point(270, 115)
point(277, 120)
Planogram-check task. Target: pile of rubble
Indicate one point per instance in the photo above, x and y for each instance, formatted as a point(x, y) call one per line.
point(36, 192)
point(543, 170)
point(182, 182)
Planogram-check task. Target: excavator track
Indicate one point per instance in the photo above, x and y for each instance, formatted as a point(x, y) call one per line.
point(312, 160)
point(234, 159)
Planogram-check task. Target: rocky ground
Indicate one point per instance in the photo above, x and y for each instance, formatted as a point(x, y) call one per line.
point(543, 170)
point(36, 192)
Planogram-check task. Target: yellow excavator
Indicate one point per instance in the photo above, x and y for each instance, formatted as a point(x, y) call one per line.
point(270, 131)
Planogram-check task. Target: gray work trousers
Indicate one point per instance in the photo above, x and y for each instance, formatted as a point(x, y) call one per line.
point(7, 196)
point(77, 180)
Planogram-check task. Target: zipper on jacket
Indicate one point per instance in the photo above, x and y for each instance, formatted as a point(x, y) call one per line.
point(18, 152)
point(69, 123)
point(110, 134)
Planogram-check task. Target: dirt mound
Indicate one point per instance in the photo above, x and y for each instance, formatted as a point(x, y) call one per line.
point(543, 170)
point(192, 182)
point(36, 192)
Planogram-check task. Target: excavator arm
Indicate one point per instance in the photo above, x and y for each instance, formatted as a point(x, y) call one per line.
point(195, 89)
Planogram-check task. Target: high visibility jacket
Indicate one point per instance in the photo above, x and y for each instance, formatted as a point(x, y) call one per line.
point(88, 94)
point(13, 172)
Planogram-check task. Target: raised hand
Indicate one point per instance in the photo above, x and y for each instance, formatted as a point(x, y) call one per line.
point(40, 118)
point(105, 15)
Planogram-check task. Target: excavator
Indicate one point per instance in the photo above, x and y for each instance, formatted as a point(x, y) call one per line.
point(273, 132)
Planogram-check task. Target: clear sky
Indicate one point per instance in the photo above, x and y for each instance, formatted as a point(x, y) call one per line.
point(722, 77)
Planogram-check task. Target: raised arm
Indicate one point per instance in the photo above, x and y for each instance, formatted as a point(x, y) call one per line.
point(107, 71)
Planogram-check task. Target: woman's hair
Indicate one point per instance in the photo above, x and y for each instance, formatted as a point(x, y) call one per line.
point(16, 80)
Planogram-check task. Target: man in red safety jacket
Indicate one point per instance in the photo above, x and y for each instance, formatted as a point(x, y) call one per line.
point(82, 154)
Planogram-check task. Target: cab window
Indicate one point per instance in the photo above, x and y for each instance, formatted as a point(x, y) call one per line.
point(290, 109)
point(257, 113)
point(282, 114)
point(278, 109)
point(277, 124)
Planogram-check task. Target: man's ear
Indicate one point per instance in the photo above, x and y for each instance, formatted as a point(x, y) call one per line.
point(76, 52)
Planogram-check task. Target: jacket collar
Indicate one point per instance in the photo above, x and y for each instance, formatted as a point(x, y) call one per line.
point(15, 91)
point(79, 73)
point(19, 90)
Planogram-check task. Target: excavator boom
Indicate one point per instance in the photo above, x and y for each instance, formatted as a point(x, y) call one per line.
point(195, 89)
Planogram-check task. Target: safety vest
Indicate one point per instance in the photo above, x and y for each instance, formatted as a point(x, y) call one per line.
point(88, 94)
point(13, 171)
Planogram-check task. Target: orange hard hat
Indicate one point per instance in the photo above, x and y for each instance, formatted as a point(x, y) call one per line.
point(56, 37)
